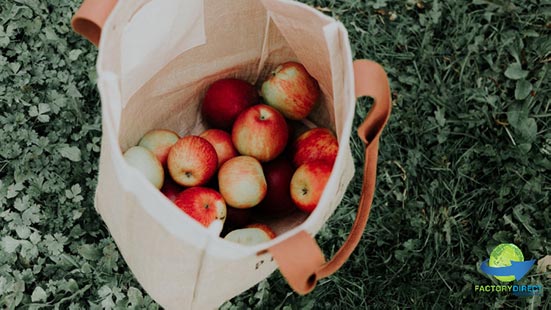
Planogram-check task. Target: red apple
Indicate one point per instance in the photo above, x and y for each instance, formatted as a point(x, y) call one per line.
point(159, 141)
point(241, 182)
point(171, 189)
point(203, 204)
point(308, 184)
point(278, 202)
point(314, 144)
point(260, 132)
point(263, 227)
point(192, 161)
point(225, 99)
point(237, 218)
point(222, 143)
point(291, 90)
point(147, 163)
point(248, 236)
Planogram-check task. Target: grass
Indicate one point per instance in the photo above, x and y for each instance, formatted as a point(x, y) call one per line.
point(464, 162)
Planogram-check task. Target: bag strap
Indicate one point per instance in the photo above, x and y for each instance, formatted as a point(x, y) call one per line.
point(300, 258)
point(90, 17)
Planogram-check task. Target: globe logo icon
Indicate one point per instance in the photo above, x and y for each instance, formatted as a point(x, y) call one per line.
point(502, 256)
point(506, 263)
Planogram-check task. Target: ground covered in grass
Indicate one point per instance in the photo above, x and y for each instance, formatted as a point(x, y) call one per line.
point(464, 162)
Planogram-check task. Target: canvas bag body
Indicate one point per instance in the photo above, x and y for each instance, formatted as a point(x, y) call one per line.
point(155, 61)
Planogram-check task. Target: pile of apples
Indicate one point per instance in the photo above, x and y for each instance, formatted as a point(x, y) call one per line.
point(247, 164)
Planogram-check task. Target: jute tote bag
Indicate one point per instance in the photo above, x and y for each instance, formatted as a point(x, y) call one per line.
point(156, 59)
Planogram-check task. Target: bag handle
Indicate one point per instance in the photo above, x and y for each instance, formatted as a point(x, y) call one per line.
point(90, 17)
point(300, 258)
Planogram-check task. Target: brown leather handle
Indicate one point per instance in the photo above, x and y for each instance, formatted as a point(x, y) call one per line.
point(300, 259)
point(90, 17)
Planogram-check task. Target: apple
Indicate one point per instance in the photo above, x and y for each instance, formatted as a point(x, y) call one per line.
point(147, 163)
point(236, 218)
point(278, 202)
point(248, 236)
point(260, 132)
point(205, 205)
point(308, 183)
point(171, 189)
point(314, 144)
point(192, 161)
point(159, 141)
point(241, 182)
point(291, 90)
point(222, 143)
point(225, 99)
point(263, 227)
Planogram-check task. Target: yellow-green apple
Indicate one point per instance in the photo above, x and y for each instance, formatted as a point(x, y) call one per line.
point(278, 202)
point(291, 90)
point(159, 141)
point(263, 227)
point(147, 163)
point(314, 144)
point(260, 132)
point(192, 161)
point(170, 188)
point(308, 183)
point(205, 205)
point(241, 182)
point(248, 236)
point(222, 143)
point(225, 99)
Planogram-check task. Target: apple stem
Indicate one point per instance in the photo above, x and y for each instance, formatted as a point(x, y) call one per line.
point(304, 191)
point(207, 206)
point(262, 115)
point(277, 69)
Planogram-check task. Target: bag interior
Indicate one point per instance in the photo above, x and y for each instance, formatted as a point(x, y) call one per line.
point(242, 39)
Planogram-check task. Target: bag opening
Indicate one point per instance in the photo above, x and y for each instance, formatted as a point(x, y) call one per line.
point(243, 39)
